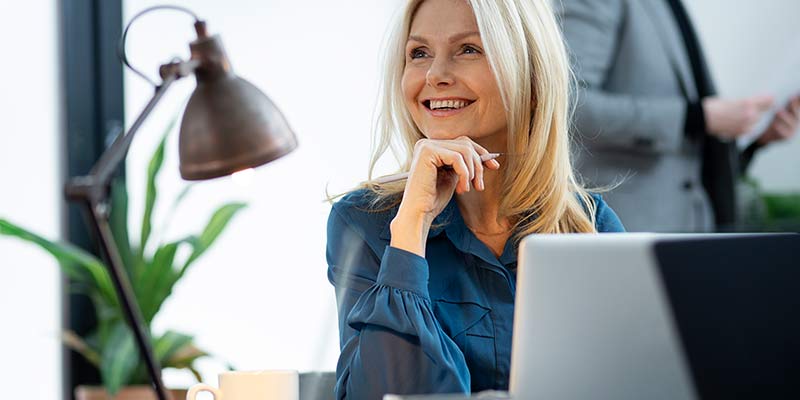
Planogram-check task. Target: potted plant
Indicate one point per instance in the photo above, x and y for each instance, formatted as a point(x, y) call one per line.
point(783, 211)
point(110, 346)
point(764, 211)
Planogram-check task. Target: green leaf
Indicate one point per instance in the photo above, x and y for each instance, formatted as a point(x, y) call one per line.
point(119, 359)
point(92, 339)
point(81, 346)
point(172, 350)
point(150, 197)
point(783, 205)
point(156, 161)
point(75, 262)
point(174, 207)
point(118, 219)
point(156, 279)
point(168, 345)
point(196, 373)
point(185, 356)
point(159, 277)
point(213, 229)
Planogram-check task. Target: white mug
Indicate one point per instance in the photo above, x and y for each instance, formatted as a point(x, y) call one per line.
point(255, 385)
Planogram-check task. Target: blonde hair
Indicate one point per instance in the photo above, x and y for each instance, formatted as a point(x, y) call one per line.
point(526, 52)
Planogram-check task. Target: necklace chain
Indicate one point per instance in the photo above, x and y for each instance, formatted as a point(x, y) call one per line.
point(488, 233)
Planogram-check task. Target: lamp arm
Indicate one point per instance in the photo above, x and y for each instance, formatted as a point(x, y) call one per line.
point(109, 161)
point(92, 191)
point(100, 175)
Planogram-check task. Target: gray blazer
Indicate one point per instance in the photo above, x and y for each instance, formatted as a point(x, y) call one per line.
point(635, 82)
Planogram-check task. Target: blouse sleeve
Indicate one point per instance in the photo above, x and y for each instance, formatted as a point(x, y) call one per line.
point(389, 338)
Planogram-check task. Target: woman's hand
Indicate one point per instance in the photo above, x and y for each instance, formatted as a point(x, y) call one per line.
point(438, 169)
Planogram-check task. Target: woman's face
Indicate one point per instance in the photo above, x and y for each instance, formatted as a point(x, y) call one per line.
point(448, 85)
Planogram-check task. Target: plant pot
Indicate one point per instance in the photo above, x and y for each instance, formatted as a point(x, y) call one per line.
point(138, 392)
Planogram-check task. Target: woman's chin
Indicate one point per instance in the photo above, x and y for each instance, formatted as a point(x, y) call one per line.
point(443, 134)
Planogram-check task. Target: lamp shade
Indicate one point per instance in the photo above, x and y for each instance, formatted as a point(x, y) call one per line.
point(229, 125)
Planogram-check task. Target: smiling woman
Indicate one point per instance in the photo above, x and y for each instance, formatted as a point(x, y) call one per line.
point(424, 269)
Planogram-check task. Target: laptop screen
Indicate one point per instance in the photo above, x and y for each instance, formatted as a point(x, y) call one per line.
point(736, 304)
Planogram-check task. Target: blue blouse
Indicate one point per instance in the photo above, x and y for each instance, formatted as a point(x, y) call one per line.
point(409, 324)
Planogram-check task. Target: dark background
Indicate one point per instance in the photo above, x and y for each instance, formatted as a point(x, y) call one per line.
point(94, 109)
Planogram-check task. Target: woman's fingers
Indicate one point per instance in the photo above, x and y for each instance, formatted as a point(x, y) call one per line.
point(469, 156)
point(473, 151)
point(492, 164)
point(456, 161)
point(479, 173)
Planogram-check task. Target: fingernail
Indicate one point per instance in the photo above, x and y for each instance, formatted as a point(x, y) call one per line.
point(496, 163)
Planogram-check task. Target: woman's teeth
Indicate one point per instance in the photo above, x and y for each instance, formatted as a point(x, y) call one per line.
point(448, 104)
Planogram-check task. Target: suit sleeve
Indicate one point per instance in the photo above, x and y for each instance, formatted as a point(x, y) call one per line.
point(639, 123)
point(389, 338)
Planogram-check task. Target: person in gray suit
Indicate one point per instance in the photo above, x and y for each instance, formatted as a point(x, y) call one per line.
point(647, 117)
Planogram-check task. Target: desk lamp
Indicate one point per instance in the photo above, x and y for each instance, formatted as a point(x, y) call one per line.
point(228, 125)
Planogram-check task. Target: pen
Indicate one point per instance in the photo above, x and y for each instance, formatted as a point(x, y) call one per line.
point(404, 175)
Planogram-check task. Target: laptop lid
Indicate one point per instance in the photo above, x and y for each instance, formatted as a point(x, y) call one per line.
point(656, 316)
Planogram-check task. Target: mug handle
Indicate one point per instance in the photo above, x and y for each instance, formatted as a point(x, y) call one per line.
point(202, 387)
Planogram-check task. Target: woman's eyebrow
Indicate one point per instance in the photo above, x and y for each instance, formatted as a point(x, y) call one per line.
point(452, 39)
point(463, 35)
point(417, 39)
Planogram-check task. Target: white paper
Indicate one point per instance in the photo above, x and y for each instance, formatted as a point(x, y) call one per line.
point(783, 85)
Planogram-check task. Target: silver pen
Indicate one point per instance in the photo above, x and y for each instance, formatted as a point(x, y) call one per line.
point(404, 175)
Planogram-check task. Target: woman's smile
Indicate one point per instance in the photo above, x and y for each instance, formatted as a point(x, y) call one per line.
point(447, 106)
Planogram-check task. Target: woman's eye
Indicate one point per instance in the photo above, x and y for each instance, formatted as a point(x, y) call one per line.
point(470, 50)
point(417, 53)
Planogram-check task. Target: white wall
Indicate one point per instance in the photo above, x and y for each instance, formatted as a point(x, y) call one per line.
point(752, 48)
point(260, 299)
point(29, 129)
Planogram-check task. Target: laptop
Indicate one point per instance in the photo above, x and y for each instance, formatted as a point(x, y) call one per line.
point(657, 316)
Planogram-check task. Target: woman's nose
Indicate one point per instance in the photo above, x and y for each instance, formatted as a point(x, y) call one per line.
point(439, 73)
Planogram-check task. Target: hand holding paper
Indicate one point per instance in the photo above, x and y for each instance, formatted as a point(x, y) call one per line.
point(784, 123)
point(732, 118)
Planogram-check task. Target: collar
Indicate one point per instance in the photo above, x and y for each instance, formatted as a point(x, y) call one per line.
point(452, 224)
point(437, 227)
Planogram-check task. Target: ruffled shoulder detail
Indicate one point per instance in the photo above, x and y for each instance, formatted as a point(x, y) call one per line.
point(408, 313)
